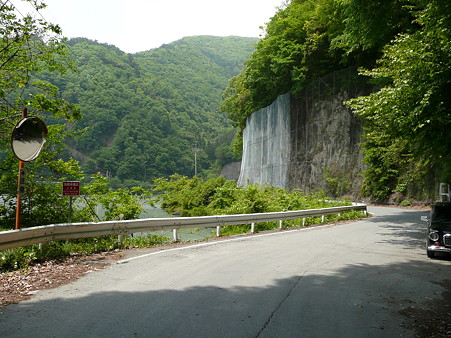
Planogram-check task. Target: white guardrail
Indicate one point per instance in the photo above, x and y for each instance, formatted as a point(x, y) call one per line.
point(41, 234)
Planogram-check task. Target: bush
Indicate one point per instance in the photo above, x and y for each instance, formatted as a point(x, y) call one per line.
point(406, 203)
point(195, 197)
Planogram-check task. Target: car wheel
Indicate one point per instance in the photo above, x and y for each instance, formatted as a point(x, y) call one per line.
point(430, 253)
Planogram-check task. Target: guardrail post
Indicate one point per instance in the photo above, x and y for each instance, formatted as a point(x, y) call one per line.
point(322, 219)
point(120, 238)
point(280, 224)
point(218, 231)
point(252, 228)
point(175, 235)
point(303, 221)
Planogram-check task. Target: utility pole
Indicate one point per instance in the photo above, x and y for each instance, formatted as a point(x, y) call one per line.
point(195, 160)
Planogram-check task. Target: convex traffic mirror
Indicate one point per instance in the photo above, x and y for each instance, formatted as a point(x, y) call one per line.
point(28, 138)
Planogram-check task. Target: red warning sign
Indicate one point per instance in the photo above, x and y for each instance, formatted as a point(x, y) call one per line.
point(71, 188)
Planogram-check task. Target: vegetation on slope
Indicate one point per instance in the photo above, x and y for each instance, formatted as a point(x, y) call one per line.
point(196, 197)
point(403, 46)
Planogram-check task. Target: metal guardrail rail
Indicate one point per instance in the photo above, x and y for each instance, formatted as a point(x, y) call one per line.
point(41, 234)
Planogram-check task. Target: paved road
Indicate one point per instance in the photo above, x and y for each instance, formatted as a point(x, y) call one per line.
point(346, 280)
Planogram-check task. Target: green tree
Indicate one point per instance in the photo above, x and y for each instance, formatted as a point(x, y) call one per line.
point(407, 121)
point(27, 46)
point(115, 203)
point(370, 25)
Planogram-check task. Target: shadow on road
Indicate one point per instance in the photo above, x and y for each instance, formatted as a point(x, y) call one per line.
point(301, 306)
point(404, 228)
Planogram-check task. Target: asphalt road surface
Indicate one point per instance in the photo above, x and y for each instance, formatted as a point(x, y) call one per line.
point(345, 280)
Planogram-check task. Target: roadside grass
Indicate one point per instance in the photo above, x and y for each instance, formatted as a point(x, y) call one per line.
point(231, 230)
point(27, 256)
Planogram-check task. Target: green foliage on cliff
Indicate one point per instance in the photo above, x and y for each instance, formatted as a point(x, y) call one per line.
point(409, 118)
point(307, 39)
point(404, 47)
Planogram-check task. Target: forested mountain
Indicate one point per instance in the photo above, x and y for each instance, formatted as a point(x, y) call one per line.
point(145, 113)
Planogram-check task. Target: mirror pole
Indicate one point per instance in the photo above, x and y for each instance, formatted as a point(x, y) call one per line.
point(19, 185)
point(19, 202)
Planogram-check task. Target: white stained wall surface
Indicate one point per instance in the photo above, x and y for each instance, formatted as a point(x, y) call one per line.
point(266, 145)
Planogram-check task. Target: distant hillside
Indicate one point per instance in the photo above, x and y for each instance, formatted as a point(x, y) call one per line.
point(144, 113)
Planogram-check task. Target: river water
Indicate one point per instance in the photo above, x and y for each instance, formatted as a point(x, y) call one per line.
point(184, 235)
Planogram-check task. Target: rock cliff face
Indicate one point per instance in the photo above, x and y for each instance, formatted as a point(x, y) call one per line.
point(308, 142)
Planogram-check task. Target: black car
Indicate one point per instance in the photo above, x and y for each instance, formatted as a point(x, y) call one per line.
point(439, 229)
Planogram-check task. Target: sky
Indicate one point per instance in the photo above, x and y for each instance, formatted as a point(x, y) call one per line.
point(139, 25)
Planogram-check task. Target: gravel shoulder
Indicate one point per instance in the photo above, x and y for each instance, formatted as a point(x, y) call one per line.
point(20, 285)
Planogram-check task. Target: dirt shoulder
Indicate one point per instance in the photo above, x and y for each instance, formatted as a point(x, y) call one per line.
point(20, 285)
point(433, 321)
